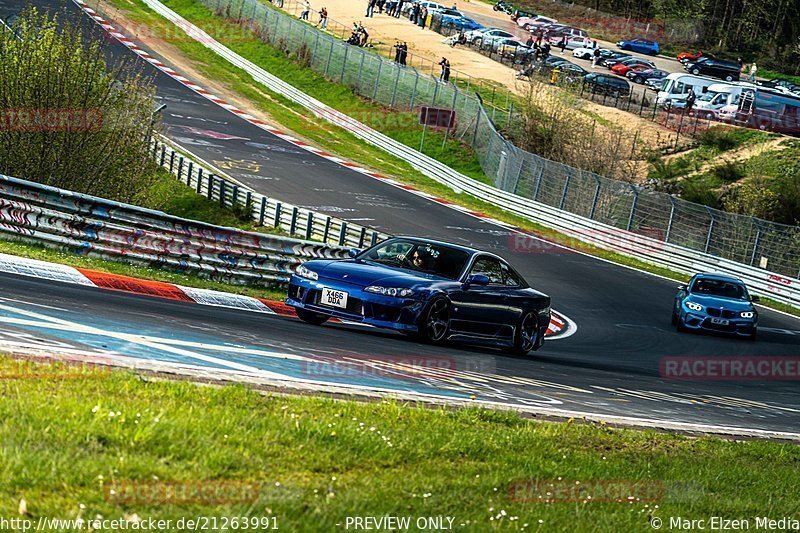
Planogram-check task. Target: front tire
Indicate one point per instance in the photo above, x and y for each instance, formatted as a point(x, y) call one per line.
point(696, 71)
point(637, 79)
point(435, 323)
point(312, 318)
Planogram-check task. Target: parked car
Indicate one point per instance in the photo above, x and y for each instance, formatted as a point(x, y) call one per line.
point(460, 23)
point(610, 61)
point(429, 290)
point(715, 302)
point(432, 6)
point(769, 110)
point(570, 72)
point(587, 52)
point(535, 23)
point(521, 13)
point(641, 46)
point(643, 75)
point(487, 36)
point(622, 68)
point(510, 47)
point(686, 57)
point(566, 30)
point(676, 87)
point(573, 42)
point(717, 96)
point(607, 84)
point(655, 83)
point(707, 66)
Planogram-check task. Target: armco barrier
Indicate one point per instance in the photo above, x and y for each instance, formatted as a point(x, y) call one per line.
point(780, 287)
point(294, 220)
point(88, 225)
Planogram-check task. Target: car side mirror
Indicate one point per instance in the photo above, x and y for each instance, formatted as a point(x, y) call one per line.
point(681, 287)
point(755, 298)
point(476, 279)
point(352, 252)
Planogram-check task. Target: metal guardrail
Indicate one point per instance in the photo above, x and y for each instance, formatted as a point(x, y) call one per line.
point(613, 209)
point(87, 225)
point(266, 211)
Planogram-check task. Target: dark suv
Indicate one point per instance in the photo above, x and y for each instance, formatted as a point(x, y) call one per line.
point(717, 68)
point(607, 84)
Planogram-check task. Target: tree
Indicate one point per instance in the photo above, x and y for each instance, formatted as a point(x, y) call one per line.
point(69, 119)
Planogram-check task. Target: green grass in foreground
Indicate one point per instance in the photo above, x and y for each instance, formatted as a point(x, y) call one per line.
point(66, 443)
point(324, 135)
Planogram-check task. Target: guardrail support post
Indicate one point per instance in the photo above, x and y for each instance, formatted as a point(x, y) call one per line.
point(171, 161)
point(539, 183)
point(309, 225)
point(374, 238)
point(199, 179)
point(633, 207)
point(210, 186)
point(293, 223)
point(222, 192)
point(362, 237)
point(344, 64)
point(394, 91)
point(163, 155)
point(327, 230)
point(360, 71)
point(262, 211)
point(596, 196)
point(189, 174)
point(180, 167)
point(414, 91)
point(377, 80)
point(330, 56)
point(343, 234)
point(278, 208)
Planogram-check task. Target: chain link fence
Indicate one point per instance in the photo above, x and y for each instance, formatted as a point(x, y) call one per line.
point(739, 238)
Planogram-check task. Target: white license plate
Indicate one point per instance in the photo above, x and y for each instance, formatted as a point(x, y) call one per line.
point(333, 298)
point(719, 321)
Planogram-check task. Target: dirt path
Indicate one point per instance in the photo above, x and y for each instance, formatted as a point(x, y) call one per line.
point(427, 44)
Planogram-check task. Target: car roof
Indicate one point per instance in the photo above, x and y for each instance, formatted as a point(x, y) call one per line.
point(717, 276)
point(443, 243)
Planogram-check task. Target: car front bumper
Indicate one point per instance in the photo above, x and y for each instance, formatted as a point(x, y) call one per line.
point(698, 320)
point(388, 312)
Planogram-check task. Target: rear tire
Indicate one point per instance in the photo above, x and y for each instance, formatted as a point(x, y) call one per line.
point(311, 318)
point(525, 334)
point(434, 325)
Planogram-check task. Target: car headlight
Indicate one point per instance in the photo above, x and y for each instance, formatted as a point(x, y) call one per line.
point(303, 272)
point(694, 307)
point(390, 291)
point(748, 314)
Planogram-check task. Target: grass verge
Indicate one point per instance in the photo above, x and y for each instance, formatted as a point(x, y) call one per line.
point(68, 438)
point(324, 135)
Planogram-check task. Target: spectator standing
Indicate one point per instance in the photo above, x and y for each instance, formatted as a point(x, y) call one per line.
point(399, 10)
point(423, 17)
point(381, 3)
point(415, 14)
point(306, 10)
point(563, 44)
point(529, 42)
point(397, 50)
point(323, 19)
point(595, 57)
point(690, 98)
point(445, 75)
point(370, 8)
point(753, 70)
point(403, 53)
point(539, 37)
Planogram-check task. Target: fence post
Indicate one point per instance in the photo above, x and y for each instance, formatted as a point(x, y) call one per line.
point(344, 64)
point(330, 56)
point(293, 223)
point(199, 179)
point(327, 230)
point(710, 229)
point(755, 244)
point(539, 182)
point(210, 191)
point(189, 173)
point(394, 91)
point(314, 51)
point(362, 237)
point(671, 218)
point(343, 233)
point(377, 80)
point(163, 154)
point(171, 161)
point(309, 225)
point(633, 206)
point(374, 238)
point(435, 92)
point(278, 210)
point(566, 190)
point(360, 70)
point(262, 211)
point(222, 192)
point(414, 91)
point(596, 196)
point(477, 123)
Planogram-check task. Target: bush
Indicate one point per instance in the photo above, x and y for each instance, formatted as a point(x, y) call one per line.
point(71, 120)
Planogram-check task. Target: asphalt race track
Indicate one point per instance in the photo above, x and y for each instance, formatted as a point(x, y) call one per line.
point(611, 365)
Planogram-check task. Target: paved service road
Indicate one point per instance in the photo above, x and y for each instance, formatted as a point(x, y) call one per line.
point(622, 314)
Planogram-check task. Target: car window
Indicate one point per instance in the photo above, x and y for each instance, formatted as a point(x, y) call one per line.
point(408, 254)
point(510, 278)
point(490, 268)
point(715, 287)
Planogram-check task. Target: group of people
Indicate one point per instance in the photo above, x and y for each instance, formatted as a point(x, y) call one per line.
point(400, 52)
point(359, 35)
point(417, 14)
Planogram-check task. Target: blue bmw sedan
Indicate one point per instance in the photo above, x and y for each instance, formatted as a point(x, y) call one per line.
point(431, 290)
point(716, 302)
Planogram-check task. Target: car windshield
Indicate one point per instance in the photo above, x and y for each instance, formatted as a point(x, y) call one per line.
point(708, 96)
point(719, 287)
point(432, 258)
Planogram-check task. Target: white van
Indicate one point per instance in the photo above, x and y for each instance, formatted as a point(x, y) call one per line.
point(676, 87)
point(718, 96)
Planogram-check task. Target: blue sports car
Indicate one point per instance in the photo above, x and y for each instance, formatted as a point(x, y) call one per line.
point(460, 23)
point(431, 290)
point(642, 46)
point(716, 302)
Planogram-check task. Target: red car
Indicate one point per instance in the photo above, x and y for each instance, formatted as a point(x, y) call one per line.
point(686, 57)
point(623, 68)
